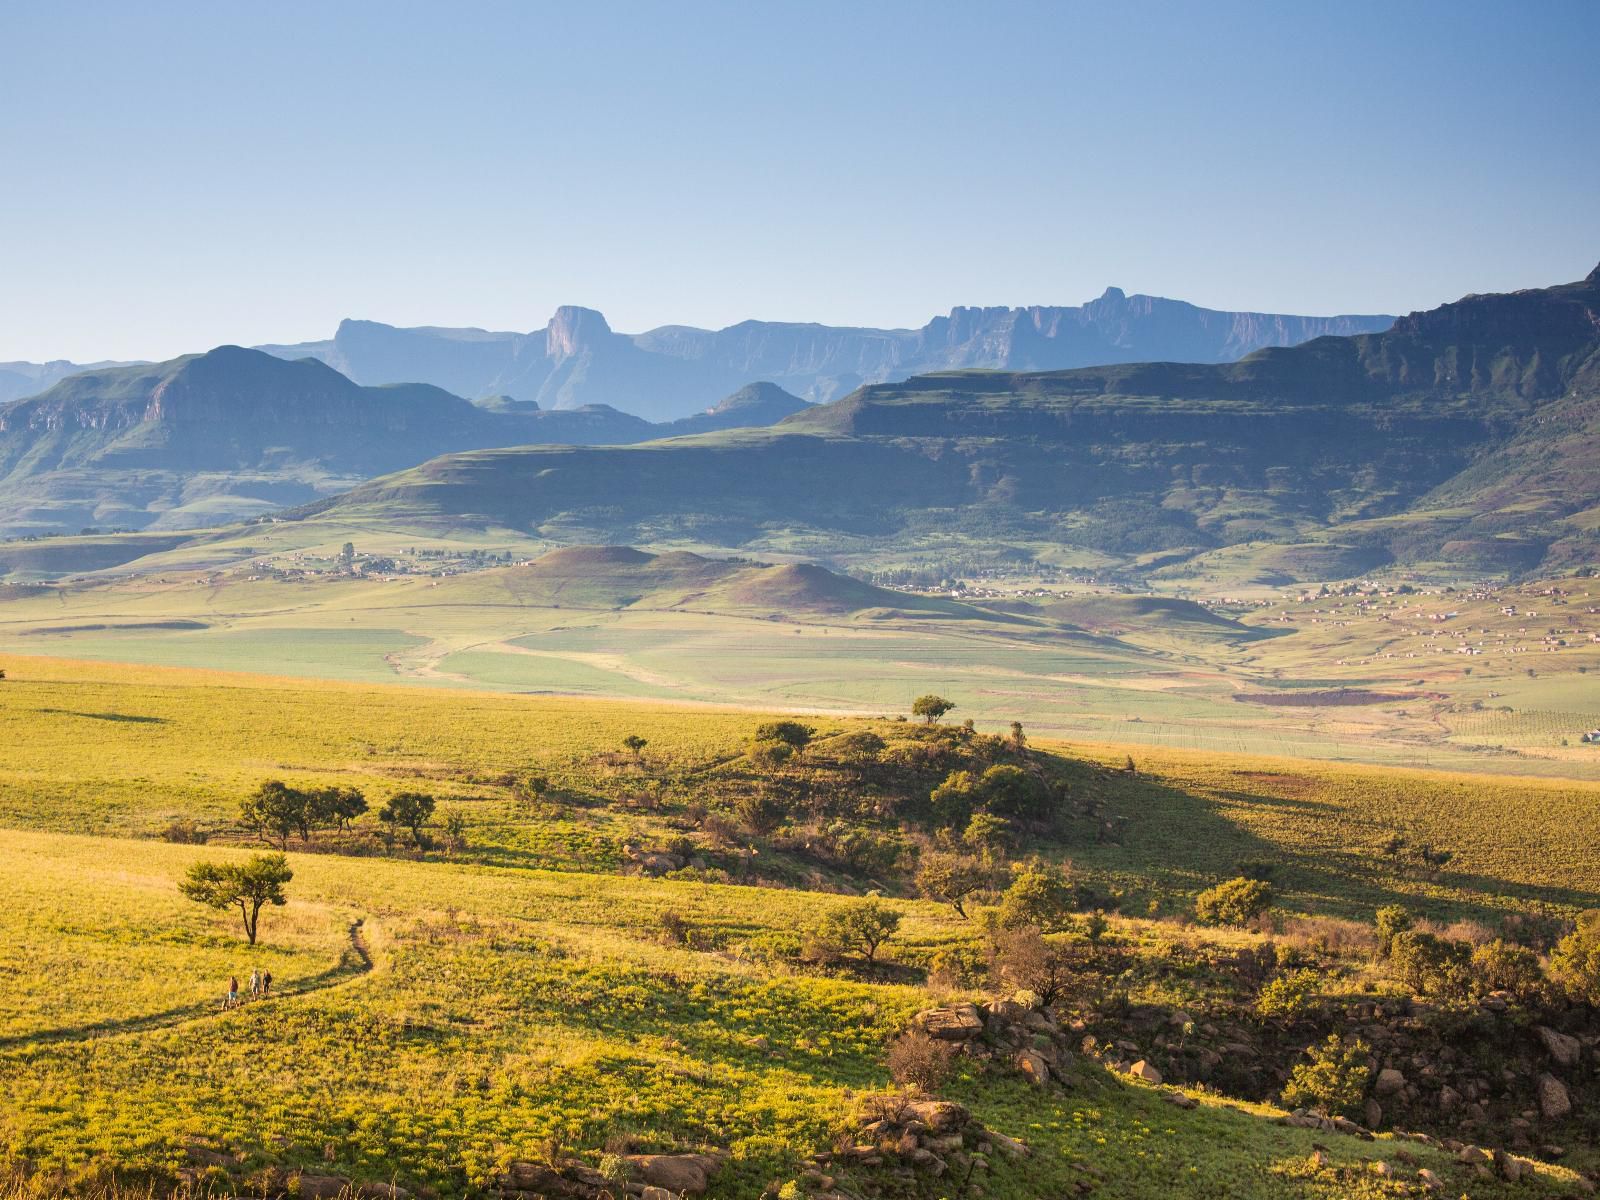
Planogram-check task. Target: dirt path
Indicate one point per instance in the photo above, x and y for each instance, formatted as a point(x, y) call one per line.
point(355, 962)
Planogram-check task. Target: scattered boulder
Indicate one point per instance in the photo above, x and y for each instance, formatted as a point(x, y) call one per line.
point(953, 1023)
point(1430, 1181)
point(1145, 1071)
point(1032, 1064)
point(1554, 1102)
point(1562, 1047)
point(1389, 1082)
point(689, 1174)
point(1507, 1167)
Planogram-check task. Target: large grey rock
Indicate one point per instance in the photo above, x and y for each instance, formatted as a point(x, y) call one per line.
point(1389, 1082)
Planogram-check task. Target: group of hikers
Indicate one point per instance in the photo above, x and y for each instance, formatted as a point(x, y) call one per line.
point(260, 989)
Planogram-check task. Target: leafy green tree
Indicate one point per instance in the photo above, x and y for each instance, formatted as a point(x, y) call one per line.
point(411, 809)
point(1012, 792)
point(1236, 902)
point(930, 707)
point(1575, 963)
point(858, 927)
point(951, 878)
point(790, 733)
point(955, 800)
point(276, 810)
point(249, 886)
point(636, 744)
point(1335, 1080)
point(1040, 895)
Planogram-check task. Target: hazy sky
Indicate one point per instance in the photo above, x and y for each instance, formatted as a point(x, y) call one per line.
point(180, 175)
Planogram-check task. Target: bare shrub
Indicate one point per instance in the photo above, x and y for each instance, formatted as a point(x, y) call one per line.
point(919, 1061)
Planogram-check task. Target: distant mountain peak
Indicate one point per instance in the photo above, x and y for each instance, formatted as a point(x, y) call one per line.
point(1113, 293)
point(573, 329)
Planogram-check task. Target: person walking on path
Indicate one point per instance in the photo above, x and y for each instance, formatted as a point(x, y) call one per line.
point(255, 983)
point(233, 993)
point(266, 984)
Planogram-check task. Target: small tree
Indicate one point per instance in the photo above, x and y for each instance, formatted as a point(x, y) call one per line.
point(1575, 963)
point(951, 878)
point(930, 707)
point(790, 733)
point(1432, 966)
point(411, 809)
point(861, 747)
point(249, 886)
point(1503, 966)
point(636, 744)
point(1236, 902)
point(1391, 922)
point(1335, 1080)
point(347, 555)
point(1041, 896)
point(858, 927)
point(1019, 740)
point(276, 810)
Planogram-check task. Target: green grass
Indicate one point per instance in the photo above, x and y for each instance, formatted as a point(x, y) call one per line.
point(511, 1009)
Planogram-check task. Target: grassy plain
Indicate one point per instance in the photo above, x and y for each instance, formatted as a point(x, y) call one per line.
point(446, 1014)
point(510, 1011)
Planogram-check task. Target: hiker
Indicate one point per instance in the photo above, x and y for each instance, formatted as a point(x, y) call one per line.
point(233, 993)
point(255, 983)
point(266, 983)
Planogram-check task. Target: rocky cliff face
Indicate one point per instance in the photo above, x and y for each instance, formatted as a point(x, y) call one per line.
point(678, 370)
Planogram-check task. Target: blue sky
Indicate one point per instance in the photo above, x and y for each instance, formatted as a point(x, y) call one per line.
point(181, 175)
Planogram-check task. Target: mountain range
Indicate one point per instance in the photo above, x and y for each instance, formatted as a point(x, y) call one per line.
point(233, 433)
point(677, 370)
point(1467, 437)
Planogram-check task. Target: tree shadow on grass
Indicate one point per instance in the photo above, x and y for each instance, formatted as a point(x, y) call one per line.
point(93, 716)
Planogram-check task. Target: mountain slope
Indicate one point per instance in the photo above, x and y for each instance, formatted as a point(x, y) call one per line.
point(675, 370)
point(1330, 444)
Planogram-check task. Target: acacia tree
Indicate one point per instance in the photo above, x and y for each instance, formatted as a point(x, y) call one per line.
point(951, 878)
point(337, 806)
point(276, 810)
point(411, 809)
point(249, 886)
point(636, 744)
point(862, 927)
point(930, 707)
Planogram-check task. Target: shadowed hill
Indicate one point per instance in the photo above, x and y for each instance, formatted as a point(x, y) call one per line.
point(615, 577)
